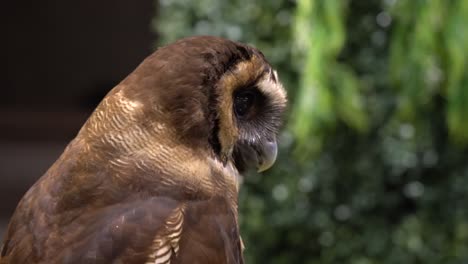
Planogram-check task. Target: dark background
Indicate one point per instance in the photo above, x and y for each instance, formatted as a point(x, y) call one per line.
point(60, 58)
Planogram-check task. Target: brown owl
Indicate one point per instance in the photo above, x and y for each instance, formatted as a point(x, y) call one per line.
point(153, 175)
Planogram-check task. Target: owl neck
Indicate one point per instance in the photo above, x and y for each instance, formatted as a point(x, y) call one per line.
point(131, 142)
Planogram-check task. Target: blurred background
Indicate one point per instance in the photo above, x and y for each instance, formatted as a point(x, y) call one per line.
point(373, 166)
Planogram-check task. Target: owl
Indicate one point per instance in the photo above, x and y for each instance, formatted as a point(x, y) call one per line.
point(153, 175)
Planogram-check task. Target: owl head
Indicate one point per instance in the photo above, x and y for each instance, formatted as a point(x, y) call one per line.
point(216, 96)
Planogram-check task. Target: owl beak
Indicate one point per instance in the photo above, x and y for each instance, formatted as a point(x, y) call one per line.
point(267, 155)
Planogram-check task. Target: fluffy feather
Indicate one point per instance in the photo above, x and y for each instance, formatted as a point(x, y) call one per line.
point(151, 177)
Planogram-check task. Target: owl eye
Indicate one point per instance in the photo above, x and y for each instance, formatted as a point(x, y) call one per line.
point(243, 102)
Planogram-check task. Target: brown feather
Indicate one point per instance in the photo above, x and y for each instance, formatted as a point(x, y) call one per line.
point(144, 178)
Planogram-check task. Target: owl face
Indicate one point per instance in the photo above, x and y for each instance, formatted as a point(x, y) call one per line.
point(251, 104)
point(258, 102)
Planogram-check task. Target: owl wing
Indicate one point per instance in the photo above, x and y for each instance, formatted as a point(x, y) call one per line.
point(138, 231)
point(151, 230)
point(142, 231)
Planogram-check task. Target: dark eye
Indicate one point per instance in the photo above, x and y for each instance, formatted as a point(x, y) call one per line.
point(243, 102)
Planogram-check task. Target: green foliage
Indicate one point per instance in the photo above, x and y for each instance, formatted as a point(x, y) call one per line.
point(373, 166)
point(429, 56)
point(328, 89)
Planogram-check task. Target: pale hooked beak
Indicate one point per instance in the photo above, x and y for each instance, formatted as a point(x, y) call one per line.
point(260, 155)
point(267, 155)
